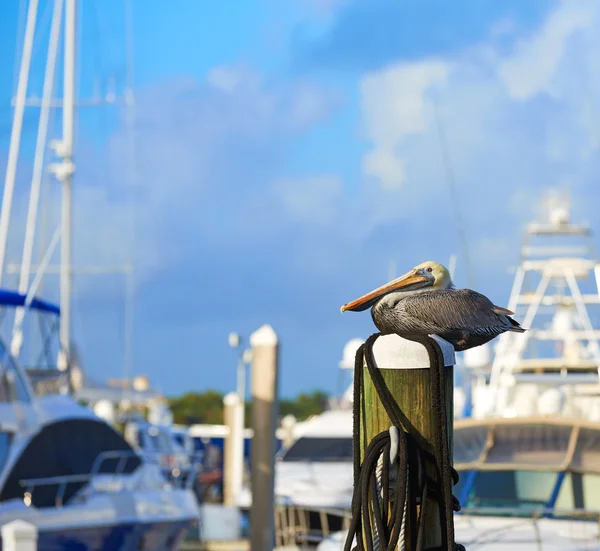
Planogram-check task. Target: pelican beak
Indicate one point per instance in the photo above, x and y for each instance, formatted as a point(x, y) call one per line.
point(403, 283)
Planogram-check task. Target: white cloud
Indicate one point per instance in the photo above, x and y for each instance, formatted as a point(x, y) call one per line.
point(489, 103)
point(395, 100)
point(535, 64)
point(396, 106)
point(386, 166)
point(515, 121)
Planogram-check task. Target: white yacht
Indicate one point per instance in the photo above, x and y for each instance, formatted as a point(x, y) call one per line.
point(73, 476)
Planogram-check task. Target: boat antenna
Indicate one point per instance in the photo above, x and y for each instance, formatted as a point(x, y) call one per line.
point(451, 181)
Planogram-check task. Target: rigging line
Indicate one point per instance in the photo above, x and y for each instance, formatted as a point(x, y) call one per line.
point(16, 130)
point(38, 162)
point(98, 31)
point(101, 79)
point(45, 205)
point(451, 181)
point(42, 23)
point(20, 36)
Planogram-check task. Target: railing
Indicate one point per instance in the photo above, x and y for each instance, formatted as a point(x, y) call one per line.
point(184, 478)
point(123, 456)
point(534, 517)
point(298, 525)
point(63, 481)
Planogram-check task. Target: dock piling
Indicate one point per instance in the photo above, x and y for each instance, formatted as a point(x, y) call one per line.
point(19, 535)
point(405, 368)
point(233, 461)
point(264, 379)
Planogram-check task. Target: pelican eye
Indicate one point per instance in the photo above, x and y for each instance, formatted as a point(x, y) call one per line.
point(429, 269)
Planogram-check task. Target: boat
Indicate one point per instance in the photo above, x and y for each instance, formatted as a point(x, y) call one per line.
point(73, 475)
point(157, 443)
point(63, 468)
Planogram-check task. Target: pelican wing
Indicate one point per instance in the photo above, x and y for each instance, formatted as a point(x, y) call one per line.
point(459, 310)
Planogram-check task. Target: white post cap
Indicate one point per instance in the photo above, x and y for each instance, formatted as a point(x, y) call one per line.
point(395, 352)
point(265, 336)
point(231, 399)
point(19, 535)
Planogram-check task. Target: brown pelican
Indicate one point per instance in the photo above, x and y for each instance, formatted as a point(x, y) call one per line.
point(424, 301)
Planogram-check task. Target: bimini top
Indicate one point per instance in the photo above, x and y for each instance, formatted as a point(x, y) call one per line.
point(12, 298)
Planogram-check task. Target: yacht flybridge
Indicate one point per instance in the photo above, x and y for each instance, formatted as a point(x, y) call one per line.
point(553, 367)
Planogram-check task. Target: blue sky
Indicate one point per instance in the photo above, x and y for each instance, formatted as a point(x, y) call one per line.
point(287, 152)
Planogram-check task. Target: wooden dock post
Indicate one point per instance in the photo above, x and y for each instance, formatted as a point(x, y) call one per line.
point(264, 378)
point(405, 368)
point(233, 460)
point(19, 535)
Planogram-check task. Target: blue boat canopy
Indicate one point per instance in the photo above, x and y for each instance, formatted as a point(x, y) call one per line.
point(12, 298)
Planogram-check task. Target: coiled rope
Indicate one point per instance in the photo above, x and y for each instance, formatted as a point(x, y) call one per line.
point(382, 502)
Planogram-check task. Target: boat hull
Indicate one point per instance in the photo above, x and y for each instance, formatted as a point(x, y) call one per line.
point(144, 520)
point(159, 536)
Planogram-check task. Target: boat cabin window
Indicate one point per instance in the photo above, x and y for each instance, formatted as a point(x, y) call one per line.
point(579, 492)
point(509, 489)
point(320, 449)
point(63, 449)
point(528, 490)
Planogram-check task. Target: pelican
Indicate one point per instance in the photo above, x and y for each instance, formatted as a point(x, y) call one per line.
point(424, 301)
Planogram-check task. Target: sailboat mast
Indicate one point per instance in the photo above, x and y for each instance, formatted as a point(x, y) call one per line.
point(15, 136)
point(66, 176)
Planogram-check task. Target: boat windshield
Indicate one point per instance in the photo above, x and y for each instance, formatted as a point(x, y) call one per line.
point(12, 384)
point(320, 449)
point(152, 439)
point(527, 491)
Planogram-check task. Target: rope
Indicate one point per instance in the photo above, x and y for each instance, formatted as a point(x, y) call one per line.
point(382, 503)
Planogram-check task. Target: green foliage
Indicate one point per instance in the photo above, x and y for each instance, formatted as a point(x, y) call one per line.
point(304, 405)
point(207, 407)
point(194, 407)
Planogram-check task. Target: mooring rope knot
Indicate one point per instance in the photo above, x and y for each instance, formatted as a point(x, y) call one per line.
point(382, 502)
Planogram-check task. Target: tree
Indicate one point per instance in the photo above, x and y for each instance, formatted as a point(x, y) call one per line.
point(207, 407)
point(194, 407)
point(304, 405)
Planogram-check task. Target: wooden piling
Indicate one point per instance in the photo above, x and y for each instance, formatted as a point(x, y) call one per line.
point(19, 535)
point(233, 457)
point(405, 368)
point(264, 377)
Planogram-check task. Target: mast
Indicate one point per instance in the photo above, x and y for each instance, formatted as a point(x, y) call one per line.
point(15, 136)
point(38, 166)
point(64, 172)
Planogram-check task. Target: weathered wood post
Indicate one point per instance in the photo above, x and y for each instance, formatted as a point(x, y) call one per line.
point(405, 368)
point(19, 535)
point(264, 379)
point(233, 461)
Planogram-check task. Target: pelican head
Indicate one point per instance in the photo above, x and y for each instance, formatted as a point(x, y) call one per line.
point(426, 276)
